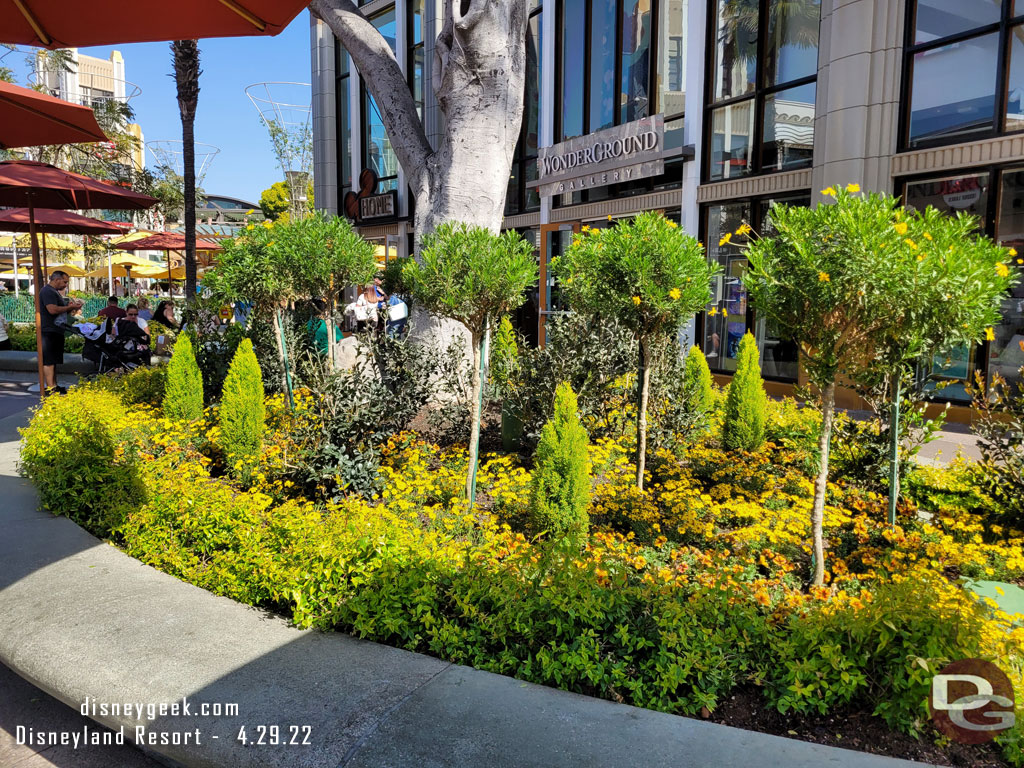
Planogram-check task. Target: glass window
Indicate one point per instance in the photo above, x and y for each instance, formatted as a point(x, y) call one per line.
point(731, 129)
point(1006, 353)
point(950, 98)
point(778, 87)
point(792, 41)
point(735, 48)
point(345, 130)
point(636, 50)
point(531, 107)
point(788, 129)
point(725, 319)
point(378, 153)
point(385, 24)
point(602, 64)
point(573, 44)
point(416, 25)
point(1015, 81)
point(941, 18)
point(672, 58)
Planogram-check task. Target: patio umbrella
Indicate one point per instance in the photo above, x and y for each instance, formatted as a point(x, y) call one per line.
point(34, 185)
point(55, 221)
point(104, 22)
point(30, 119)
point(168, 241)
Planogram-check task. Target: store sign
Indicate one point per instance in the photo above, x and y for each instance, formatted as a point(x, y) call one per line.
point(378, 206)
point(612, 156)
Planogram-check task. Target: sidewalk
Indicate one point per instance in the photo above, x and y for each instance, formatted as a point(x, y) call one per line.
point(80, 619)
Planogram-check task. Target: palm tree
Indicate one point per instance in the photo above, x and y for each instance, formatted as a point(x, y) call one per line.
point(186, 77)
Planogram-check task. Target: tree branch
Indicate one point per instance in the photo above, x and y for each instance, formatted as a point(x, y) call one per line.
point(376, 62)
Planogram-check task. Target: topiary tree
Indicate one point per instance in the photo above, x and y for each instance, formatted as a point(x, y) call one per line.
point(697, 385)
point(473, 276)
point(840, 279)
point(648, 275)
point(321, 256)
point(560, 490)
point(183, 394)
point(242, 411)
point(747, 403)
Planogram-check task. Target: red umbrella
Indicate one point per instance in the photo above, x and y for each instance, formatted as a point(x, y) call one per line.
point(38, 185)
point(31, 119)
point(105, 22)
point(167, 241)
point(54, 222)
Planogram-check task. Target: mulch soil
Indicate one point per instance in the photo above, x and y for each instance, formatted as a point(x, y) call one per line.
point(746, 709)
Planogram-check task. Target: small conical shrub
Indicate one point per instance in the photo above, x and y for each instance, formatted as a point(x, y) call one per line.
point(561, 474)
point(697, 387)
point(183, 394)
point(504, 363)
point(242, 413)
point(747, 403)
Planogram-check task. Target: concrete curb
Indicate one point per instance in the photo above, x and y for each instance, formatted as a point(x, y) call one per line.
point(19, 360)
point(84, 622)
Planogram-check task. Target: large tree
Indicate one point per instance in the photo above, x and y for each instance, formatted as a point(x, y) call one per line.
point(186, 77)
point(478, 76)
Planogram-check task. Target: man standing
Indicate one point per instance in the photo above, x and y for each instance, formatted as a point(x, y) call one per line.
point(112, 311)
point(53, 309)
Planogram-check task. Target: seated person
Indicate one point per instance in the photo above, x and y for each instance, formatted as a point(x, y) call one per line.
point(131, 318)
point(112, 311)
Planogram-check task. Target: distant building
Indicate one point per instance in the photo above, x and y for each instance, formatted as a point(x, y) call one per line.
point(92, 82)
point(228, 213)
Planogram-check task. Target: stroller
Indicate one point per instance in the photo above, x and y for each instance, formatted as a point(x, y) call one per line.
point(124, 352)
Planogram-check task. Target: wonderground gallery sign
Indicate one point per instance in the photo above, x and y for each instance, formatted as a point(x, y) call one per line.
point(612, 156)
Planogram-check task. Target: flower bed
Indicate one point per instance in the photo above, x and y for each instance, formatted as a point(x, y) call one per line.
point(682, 596)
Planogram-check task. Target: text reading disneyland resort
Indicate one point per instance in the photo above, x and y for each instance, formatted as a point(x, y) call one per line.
point(174, 723)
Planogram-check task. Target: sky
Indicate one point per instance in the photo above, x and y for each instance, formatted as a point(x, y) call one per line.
point(225, 117)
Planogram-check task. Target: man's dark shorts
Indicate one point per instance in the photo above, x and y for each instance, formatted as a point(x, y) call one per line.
point(53, 348)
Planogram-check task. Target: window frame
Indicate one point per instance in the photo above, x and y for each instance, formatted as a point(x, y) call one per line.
point(1004, 26)
point(757, 98)
point(521, 154)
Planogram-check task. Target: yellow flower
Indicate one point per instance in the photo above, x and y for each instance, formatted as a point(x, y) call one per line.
point(726, 238)
point(249, 212)
point(853, 189)
point(725, 312)
point(1002, 270)
point(829, 191)
point(674, 293)
point(609, 217)
point(823, 277)
point(636, 300)
point(901, 228)
point(927, 236)
point(990, 335)
point(744, 229)
point(713, 311)
point(1012, 251)
point(920, 257)
point(911, 244)
point(673, 225)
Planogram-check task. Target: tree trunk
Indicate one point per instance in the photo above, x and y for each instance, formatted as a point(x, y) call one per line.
point(828, 397)
point(186, 75)
point(644, 383)
point(279, 341)
point(474, 424)
point(478, 74)
point(894, 448)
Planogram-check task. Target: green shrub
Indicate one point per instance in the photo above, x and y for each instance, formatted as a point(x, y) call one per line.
point(183, 395)
point(79, 453)
point(242, 411)
point(561, 478)
point(697, 387)
point(504, 363)
point(747, 403)
point(146, 385)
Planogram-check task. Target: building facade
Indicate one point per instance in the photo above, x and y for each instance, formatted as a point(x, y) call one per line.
point(758, 101)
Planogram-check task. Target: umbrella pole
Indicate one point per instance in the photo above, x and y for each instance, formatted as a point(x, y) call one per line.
point(110, 274)
point(37, 278)
point(170, 293)
point(46, 269)
point(17, 289)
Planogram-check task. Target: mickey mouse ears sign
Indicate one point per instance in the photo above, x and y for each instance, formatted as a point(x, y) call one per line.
point(368, 206)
